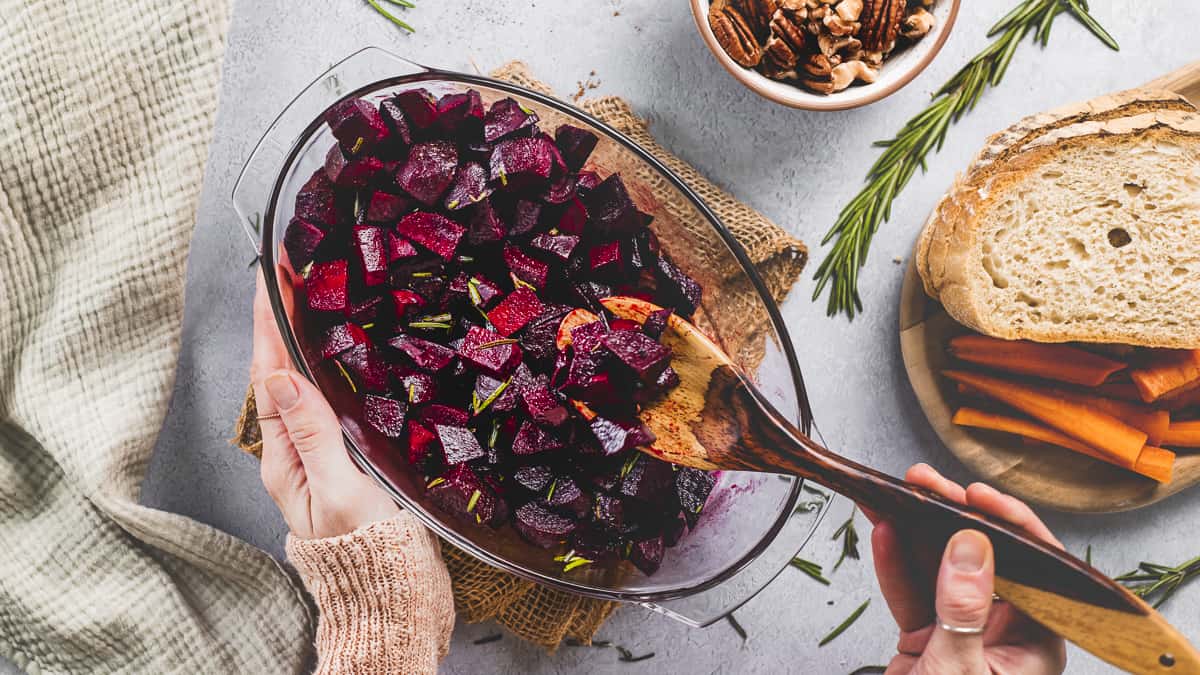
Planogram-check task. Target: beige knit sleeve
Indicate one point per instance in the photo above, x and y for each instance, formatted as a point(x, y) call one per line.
point(384, 598)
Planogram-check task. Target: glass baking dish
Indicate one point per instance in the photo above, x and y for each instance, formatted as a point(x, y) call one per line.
point(753, 524)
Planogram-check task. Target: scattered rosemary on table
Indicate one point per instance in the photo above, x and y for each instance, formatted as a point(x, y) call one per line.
point(488, 639)
point(849, 537)
point(392, 17)
point(904, 154)
point(810, 568)
point(1158, 583)
point(833, 635)
point(625, 655)
point(737, 627)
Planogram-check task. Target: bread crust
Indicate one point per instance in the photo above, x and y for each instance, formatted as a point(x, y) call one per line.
point(947, 258)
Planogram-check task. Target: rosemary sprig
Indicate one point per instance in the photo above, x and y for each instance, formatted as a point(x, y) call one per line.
point(833, 634)
point(1158, 583)
point(849, 537)
point(392, 17)
point(904, 154)
point(810, 568)
point(737, 627)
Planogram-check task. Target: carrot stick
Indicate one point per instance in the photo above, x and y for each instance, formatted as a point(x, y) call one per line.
point(1156, 463)
point(1167, 371)
point(1183, 435)
point(1125, 391)
point(1181, 400)
point(1116, 439)
point(1050, 361)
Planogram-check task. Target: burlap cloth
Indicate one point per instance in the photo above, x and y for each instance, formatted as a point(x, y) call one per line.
point(543, 615)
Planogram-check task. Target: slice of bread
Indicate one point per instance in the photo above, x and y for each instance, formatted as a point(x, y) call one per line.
point(1087, 230)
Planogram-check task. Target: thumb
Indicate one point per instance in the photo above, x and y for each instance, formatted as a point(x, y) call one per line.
point(964, 599)
point(313, 429)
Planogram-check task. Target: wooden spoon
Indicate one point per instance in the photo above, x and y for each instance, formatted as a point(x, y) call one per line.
point(716, 419)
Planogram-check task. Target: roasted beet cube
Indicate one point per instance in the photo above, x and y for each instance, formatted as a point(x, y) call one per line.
point(647, 555)
point(623, 324)
point(514, 311)
point(484, 225)
point(656, 323)
point(371, 255)
point(542, 527)
point(357, 125)
point(405, 301)
point(459, 491)
point(586, 181)
point(301, 241)
point(416, 388)
point(640, 353)
point(393, 117)
point(366, 311)
point(459, 444)
point(617, 436)
point(539, 337)
point(428, 356)
point(470, 186)
point(605, 259)
point(573, 218)
point(648, 480)
point(505, 117)
point(440, 413)
point(482, 292)
point(428, 171)
point(522, 162)
point(533, 478)
point(351, 173)
point(667, 379)
point(589, 337)
point(461, 115)
point(560, 190)
point(385, 414)
point(681, 290)
point(340, 337)
point(435, 232)
point(316, 202)
point(326, 286)
point(399, 248)
point(557, 245)
point(543, 407)
point(532, 439)
point(366, 367)
point(486, 387)
point(568, 498)
point(525, 268)
point(422, 445)
point(489, 351)
point(418, 107)
point(692, 487)
point(611, 210)
point(385, 207)
point(609, 512)
point(575, 145)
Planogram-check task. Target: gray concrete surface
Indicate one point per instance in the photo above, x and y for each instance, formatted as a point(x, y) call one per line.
point(796, 167)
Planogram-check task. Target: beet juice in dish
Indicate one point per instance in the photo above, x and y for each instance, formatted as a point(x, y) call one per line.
point(453, 256)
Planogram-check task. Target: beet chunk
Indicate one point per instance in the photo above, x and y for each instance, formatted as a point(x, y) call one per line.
point(404, 301)
point(489, 351)
point(439, 413)
point(351, 173)
point(428, 171)
point(461, 115)
point(617, 436)
point(301, 241)
point(385, 414)
point(567, 497)
point(558, 245)
point(417, 388)
point(648, 480)
point(575, 144)
point(643, 355)
point(514, 311)
point(525, 268)
point(470, 186)
point(541, 527)
point(484, 226)
point(692, 487)
point(435, 232)
point(366, 311)
point(610, 512)
point(682, 291)
point(340, 337)
point(326, 285)
point(366, 367)
point(611, 210)
point(573, 218)
point(399, 248)
point(533, 478)
point(521, 163)
point(486, 387)
point(656, 323)
point(647, 555)
point(505, 117)
point(316, 202)
point(372, 258)
point(543, 407)
point(605, 259)
point(426, 355)
point(461, 493)
point(422, 444)
point(357, 125)
point(667, 379)
point(532, 439)
point(459, 444)
point(526, 215)
point(418, 107)
point(385, 207)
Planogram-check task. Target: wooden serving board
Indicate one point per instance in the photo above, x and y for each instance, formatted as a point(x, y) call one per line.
point(1043, 474)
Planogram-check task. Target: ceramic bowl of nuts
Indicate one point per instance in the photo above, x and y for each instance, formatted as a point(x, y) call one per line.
point(825, 54)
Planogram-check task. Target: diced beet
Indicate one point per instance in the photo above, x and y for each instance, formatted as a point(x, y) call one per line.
point(656, 323)
point(522, 162)
point(393, 116)
point(591, 292)
point(385, 207)
point(486, 291)
point(459, 444)
point(366, 311)
point(301, 241)
point(573, 218)
point(435, 232)
point(617, 437)
point(385, 414)
point(489, 351)
point(526, 215)
point(422, 445)
point(569, 498)
point(440, 413)
point(514, 311)
point(416, 388)
point(543, 407)
point(667, 379)
point(428, 171)
point(505, 117)
point(610, 512)
point(647, 555)
point(623, 324)
point(340, 337)
point(692, 487)
point(599, 389)
point(586, 181)
point(399, 248)
point(560, 190)
point(486, 387)
point(588, 337)
point(527, 269)
point(404, 300)
point(470, 186)
point(351, 173)
point(316, 202)
point(682, 291)
point(366, 367)
point(605, 259)
point(558, 245)
point(426, 355)
point(326, 285)
point(461, 492)
point(575, 144)
point(640, 353)
point(533, 478)
point(648, 480)
point(532, 439)
point(418, 106)
point(461, 115)
point(484, 226)
point(369, 250)
point(611, 210)
point(357, 125)
point(542, 527)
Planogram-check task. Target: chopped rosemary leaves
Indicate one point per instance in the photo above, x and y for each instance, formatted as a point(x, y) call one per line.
point(571, 561)
point(421, 275)
point(444, 317)
point(1088, 556)
point(357, 146)
point(550, 492)
point(630, 463)
point(737, 627)
point(497, 343)
point(849, 537)
point(487, 639)
point(577, 562)
point(466, 259)
point(495, 434)
point(429, 324)
point(473, 291)
point(346, 375)
point(1158, 583)
point(810, 568)
point(626, 656)
point(435, 482)
point(518, 282)
point(473, 501)
point(479, 406)
point(453, 204)
point(368, 326)
point(412, 392)
point(869, 670)
point(833, 635)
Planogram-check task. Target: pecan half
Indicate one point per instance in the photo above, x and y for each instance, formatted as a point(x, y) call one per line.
point(881, 21)
point(734, 34)
point(758, 14)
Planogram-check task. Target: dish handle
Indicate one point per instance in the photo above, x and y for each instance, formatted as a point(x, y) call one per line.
point(255, 182)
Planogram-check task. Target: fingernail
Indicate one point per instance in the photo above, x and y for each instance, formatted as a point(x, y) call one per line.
point(281, 388)
point(968, 550)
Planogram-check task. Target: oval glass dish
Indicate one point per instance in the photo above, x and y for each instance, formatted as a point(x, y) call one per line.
point(751, 526)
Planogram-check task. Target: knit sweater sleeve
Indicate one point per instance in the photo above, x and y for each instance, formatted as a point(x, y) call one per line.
point(384, 598)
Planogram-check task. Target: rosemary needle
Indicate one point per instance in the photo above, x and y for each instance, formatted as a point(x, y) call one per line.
point(849, 537)
point(906, 152)
point(392, 17)
point(845, 624)
point(737, 627)
point(1159, 583)
point(810, 568)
